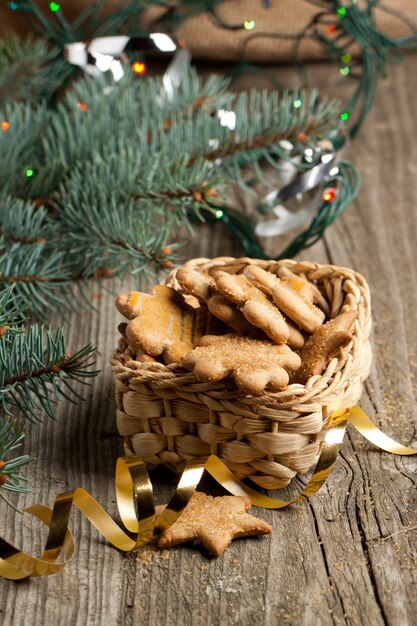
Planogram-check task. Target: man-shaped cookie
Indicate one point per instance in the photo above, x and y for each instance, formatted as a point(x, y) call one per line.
point(257, 308)
point(305, 314)
point(203, 287)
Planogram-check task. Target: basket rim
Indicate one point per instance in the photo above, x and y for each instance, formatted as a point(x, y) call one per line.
point(125, 367)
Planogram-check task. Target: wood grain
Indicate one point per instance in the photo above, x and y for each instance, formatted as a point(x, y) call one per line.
point(349, 556)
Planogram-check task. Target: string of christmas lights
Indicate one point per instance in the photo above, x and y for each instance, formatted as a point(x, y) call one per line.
point(351, 40)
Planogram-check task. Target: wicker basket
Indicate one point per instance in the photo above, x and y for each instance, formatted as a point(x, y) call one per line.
point(167, 416)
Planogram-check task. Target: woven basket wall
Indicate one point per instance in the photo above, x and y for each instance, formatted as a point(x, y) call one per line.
point(167, 416)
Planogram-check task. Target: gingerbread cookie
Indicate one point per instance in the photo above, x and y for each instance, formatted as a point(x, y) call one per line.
point(323, 345)
point(255, 365)
point(306, 315)
point(203, 287)
point(236, 266)
point(308, 290)
point(161, 323)
point(199, 285)
point(305, 288)
point(221, 308)
point(213, 522)
point(254, 304)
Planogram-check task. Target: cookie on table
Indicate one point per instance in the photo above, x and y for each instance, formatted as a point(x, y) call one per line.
point(214, 522)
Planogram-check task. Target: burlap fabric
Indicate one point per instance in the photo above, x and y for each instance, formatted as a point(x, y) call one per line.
point(206, 40)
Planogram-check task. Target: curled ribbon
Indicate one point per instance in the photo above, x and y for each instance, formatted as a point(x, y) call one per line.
point(136, 504)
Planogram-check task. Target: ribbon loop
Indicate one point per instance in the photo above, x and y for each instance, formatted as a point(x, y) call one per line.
point(136, 503)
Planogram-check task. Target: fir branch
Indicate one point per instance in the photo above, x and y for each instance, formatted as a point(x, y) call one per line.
point(37, 371)
point(30, 69)
point(40, 275)
point(11, 479)
point(12, 310)
point(24, 222)
point(120, 172)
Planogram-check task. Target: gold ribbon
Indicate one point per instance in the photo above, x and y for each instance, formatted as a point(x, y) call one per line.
point(136, 504)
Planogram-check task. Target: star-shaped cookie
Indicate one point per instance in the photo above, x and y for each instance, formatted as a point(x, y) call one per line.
point(214, 522)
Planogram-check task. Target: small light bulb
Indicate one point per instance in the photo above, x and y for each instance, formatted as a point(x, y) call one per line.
point(344, 71)
point(341, 11)
point(82, 106)
point(139, 68)
point(344, 116)
point(249, 24)
point(5, 126)
point(29, 172)
point(219, 214)
point(329, 194)
point(54, 6)
point(297, 103)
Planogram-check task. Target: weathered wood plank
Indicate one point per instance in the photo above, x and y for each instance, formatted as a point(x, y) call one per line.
point(336, 560)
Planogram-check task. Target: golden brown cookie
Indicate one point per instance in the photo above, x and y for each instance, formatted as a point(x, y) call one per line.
point(295, 337)
point(203, 287)
point(213, 522)
point(306, 315)
point(130, 303)
point(307, 289)
point(254, 304)
point(228, 313)
point(323, 345)
point(199, 285)
point(255, 365)
point(161, 323)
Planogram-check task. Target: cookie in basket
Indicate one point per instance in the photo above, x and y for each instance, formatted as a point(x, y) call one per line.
point(255, 365)
point(257, 308)
point(268, 436)
point(324, 344)
point(162, 324)
point(305, 314)
point(203, 287)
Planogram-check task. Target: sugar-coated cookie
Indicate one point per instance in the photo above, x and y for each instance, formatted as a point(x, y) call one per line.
point(323, 345)
point(214, 522)
point(255, 365)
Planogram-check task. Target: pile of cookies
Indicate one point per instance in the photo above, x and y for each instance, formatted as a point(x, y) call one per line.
point(258, 323)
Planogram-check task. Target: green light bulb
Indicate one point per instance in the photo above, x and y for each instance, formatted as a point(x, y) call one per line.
point(344, 71)
point(297, 103)
point(249, 24)
point(344, 116)
point(54, 6)
point(341, 11)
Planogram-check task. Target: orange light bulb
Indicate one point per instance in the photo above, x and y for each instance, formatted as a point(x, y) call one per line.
point(139, 68)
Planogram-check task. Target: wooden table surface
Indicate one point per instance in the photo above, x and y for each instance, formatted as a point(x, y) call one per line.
point(349, 555)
